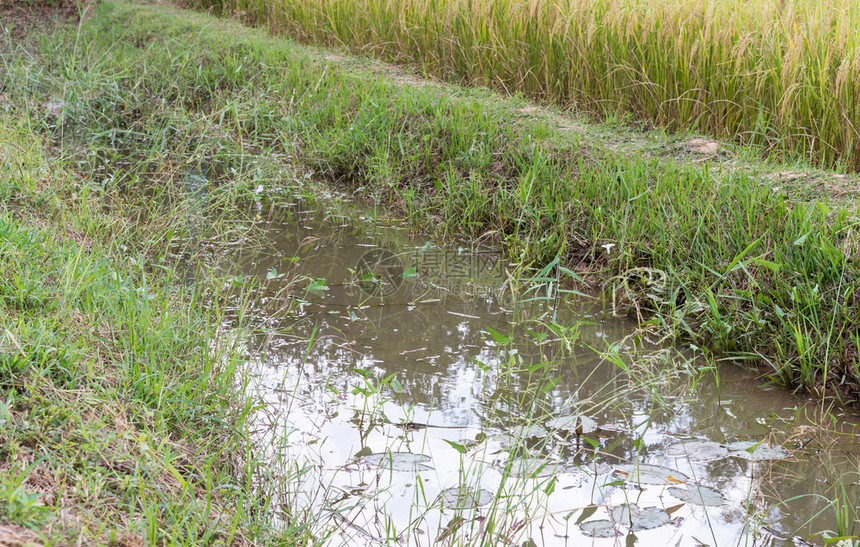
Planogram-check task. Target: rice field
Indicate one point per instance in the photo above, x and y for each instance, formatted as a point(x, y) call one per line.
point(781, 74)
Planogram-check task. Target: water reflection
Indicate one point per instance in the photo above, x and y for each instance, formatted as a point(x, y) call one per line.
point(390, 345)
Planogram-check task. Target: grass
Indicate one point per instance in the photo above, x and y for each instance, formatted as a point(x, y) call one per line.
point(749, 273)
point(122, 394)
point(778, 74)
point(124, 412)
point(109, 393)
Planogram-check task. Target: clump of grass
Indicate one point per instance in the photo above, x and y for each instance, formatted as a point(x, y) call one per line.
point(124, 412)
point(779, 74)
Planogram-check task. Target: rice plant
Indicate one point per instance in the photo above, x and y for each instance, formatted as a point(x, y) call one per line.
point(777, 73)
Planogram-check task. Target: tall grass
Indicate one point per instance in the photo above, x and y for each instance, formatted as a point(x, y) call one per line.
point(779, 73)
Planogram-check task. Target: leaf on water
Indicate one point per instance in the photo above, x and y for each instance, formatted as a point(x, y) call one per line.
point(698, 451)
point(638, 518)
point(674, 508)
point(756, 450)
point(650, 474)
point(599, 529)
point(398, 461)
point(586, 513)
point(698, 495)
point(465, 498)
point(527, 431)
point(534, 467)
point(573, 423)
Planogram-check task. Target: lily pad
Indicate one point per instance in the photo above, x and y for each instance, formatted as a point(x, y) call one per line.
point(639, 518)
point(764, 451)
point(534, 467)
point(399, 461)
point(650, 474)
point(528, 431)
point(573, 424)
point(698, 451)
point(466, 498)
point(599, 529)
point(698, 495)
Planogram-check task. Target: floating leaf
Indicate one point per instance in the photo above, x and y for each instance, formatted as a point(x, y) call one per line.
point(698, 495)
point(465, 498)
point(650, 474)
point(599, 529)
point(756, 450)
point(698, 451)
point(573, 423)
point(398, 461)
point(527, 431)
point(638, 518)
point(534, 467)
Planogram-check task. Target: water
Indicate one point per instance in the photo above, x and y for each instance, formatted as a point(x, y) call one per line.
point(386, 371)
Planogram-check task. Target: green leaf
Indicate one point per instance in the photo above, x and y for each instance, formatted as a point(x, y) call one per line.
point(550, 488)
point(772, 266)
point(594, 444)
point(317, 285)
point(547, 387)
point(458, 447)
point(539, 336)
point(395, 386)
point(570, 273)
point(500, 338)
point(411, 272)
point(799, 241)
point(175, 472)
point(587, 512)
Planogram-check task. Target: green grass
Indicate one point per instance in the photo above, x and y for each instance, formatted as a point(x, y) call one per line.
point(750, 273)
point(124, 414)
point(778, 74)
point(115, 406)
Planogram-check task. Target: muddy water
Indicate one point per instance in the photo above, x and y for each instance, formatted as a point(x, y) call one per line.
point(394, 371)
